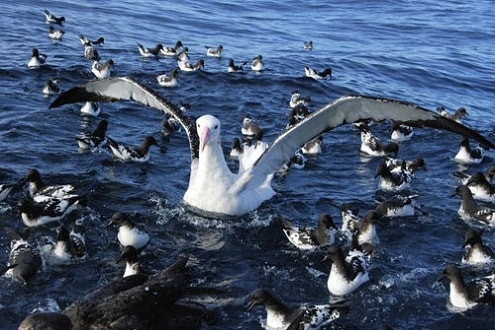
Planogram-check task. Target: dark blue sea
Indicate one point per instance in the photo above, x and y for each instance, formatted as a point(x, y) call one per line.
point(427, 52)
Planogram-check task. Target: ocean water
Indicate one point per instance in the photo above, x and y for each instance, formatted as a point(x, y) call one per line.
point(427, 52)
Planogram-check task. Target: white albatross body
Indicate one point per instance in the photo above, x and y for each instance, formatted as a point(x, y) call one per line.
point(213, 188)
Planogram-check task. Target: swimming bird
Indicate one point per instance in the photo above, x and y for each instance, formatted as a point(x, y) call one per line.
point(5, 189)
point(40, 192)
point(94, 140)
point(60, 251)
point(149, 52)
point(317, 75)
point(159, 301)
point(55, 34)
point(102, 71)
point(214, 52)
point(481, 188)
point(372, 146)
point(183, 56)
point(365, 230)
point(213, 188)
point(392, 181)
point(401, 132)
point(281, 316)
point(409, 166)
point(232, 68)
point(91, 53)
point(308, 45)
point(86, 41)
point(172, 51)
point(130, 233)
point(125, 153)
point(51, 87)
point(168, 80)
point(464, 296)
point(348, 273)
point(35, 214)
point(91, 109)
point(297, 114)
point(306, 238)
point(37, 59)
point(396, 206)
point(257, 65)
point(470, 210)
point(457, 115)
point(476, 252)
point(250, 129)
point(52, 19)
point(188, 66)
point(314, 146)
point(131, 257)
point(296, 99)
point(467, 155)
point(24, 259)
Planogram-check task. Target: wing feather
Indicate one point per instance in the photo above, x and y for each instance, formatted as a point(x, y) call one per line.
point(125, 88)
point(347, 109)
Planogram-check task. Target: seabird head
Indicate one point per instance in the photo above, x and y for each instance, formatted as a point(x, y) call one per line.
point(472, 237)
point(208, 127)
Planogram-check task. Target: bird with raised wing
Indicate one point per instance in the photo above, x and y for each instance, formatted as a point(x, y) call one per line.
point(213, 187)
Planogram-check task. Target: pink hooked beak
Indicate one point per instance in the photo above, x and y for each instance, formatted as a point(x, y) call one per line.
point(204, 138)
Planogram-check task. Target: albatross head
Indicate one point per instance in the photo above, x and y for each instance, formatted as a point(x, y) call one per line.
point(208, 127)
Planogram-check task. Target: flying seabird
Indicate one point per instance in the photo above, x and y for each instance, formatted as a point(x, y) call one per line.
point(213, 188)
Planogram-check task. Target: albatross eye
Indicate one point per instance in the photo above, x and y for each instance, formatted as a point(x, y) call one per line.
point(216, 126)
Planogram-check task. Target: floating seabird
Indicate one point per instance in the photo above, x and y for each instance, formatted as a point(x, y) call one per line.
point(214, 52)
point(86, 41)
point(51, 87)
point(172, 51)
point(37, 59)
point(312, 73)
point(168, 79)
point(281, 316)
point(306, 238)
point(55, 34)
point(91, 109)
point(149, 52)
point(257, 64)
point(130, 233)
point(468, 155)
point(160, 301)
point(481, 188)
point(347, 273)
point(235, 68)
point(102, 71)
point(464, 296)
point(52, 19)
point(188, 66)
point(40, 192)
point(94, 140)
point(125, 153)
point(213, 188)
point(469, 210)
point(457, 115)
point(308, 45)
point(476, 252)
point(24, 259)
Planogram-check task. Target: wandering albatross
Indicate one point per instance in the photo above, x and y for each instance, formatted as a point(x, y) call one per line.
point(213, 189)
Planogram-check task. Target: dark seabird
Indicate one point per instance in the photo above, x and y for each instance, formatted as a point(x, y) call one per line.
point(307, 238)
point(125, 153)
point(476, 252)
point(281, 316)
point(24, 259)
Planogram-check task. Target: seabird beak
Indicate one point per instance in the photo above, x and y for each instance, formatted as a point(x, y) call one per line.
point(250, 304)
point(204, 138)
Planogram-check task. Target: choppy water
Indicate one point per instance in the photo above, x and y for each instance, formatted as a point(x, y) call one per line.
point(431, 53)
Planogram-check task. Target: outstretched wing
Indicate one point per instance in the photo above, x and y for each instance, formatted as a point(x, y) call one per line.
point(346, 109)
point(125, 88)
